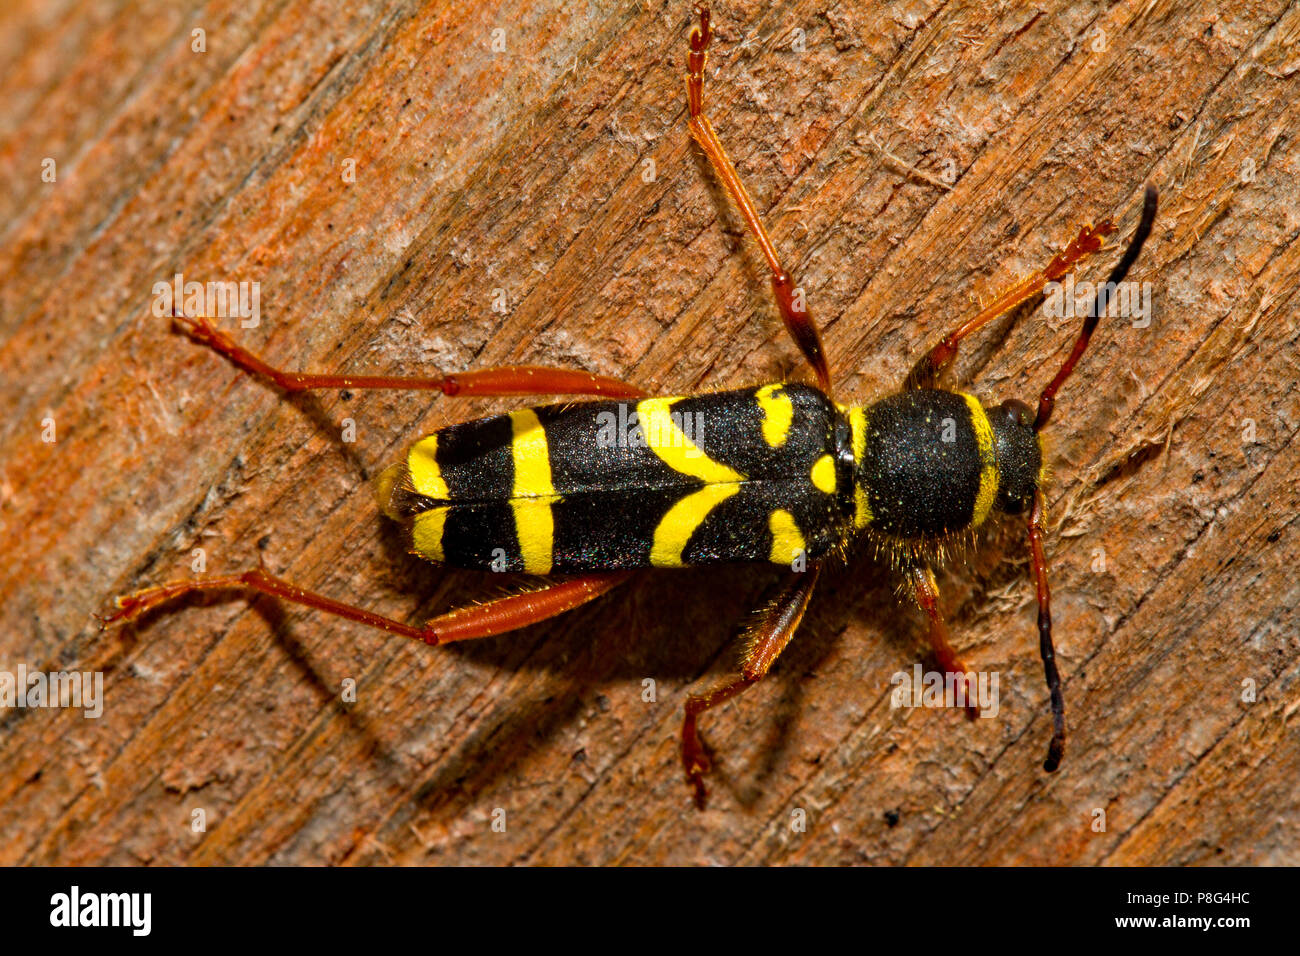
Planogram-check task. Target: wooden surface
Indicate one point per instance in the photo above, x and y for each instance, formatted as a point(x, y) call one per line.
point(525, 171)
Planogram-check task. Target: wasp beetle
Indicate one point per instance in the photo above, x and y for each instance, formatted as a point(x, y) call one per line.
point(779, 473)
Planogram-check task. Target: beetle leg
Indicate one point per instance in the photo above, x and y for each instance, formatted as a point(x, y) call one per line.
point(765, 642)
point(503, 380)
point(789, 300)
point(926, 372)
point(459, 624)
point(927, 596)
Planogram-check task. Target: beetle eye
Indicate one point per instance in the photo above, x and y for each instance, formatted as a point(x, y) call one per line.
point(1018, 412)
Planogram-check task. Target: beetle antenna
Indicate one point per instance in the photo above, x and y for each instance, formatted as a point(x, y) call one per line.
point(1100, 302)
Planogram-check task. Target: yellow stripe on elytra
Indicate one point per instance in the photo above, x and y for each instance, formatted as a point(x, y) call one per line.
point(861, 506)
point(787, 541)
point(669, 442)
point(823, 474)
point(676, 527)
point(533, 492)
point(426, 478)
point(426, 533)
point(426, 475)
point(988, 460)
point(778, 413)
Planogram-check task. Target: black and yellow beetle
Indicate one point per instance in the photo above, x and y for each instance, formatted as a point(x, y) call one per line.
point(780, 473)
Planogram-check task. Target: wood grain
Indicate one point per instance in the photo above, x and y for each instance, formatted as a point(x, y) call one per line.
point(556, 176)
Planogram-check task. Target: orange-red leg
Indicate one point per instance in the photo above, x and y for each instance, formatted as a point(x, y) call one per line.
point(926, 590)
point(926, 372)
point(503, 380)
point(794, 312)
point(766, 641)
point(1038, 562)
point(460, 624)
